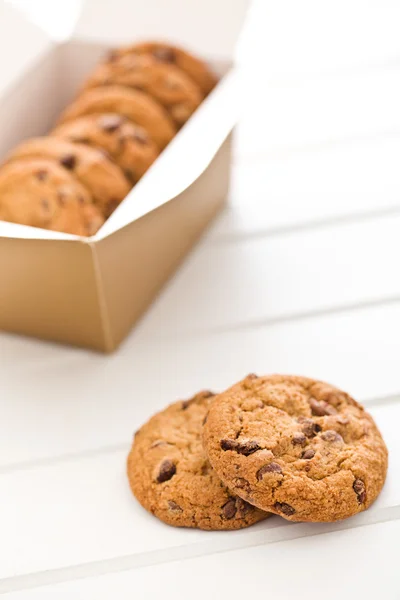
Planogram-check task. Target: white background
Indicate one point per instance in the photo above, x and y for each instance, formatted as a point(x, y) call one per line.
point(300, 275)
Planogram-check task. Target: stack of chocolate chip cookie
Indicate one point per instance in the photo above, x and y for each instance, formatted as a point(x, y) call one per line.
point(128, 111)
point(287, 445)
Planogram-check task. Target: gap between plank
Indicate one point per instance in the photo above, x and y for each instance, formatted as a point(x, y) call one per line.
point(124, 447)
point(261, 155)
point(301, 316)
point(246, 539)
point(293, 228)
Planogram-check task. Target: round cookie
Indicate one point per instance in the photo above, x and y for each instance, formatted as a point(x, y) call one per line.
point(129, 145)
point(171, 477)
point(135, 105)
point(296, 447)
point(195, 68)
point(92, 219)
point(103, 179)
point(168, 84)
point(39, 193)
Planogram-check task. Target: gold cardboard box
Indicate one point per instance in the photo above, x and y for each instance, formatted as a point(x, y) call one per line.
point(90, 291)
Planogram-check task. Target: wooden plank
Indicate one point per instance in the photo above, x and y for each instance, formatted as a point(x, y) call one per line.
point(223, 285)
point(291, 39)
point(79, 511)
point(297, 115)
point(76, 514)
point(273, 193)
point(242, 571)
point(73, 401)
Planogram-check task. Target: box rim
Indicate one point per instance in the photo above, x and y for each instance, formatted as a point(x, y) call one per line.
point(229, 81)
point(211, 17)
point(36, 40)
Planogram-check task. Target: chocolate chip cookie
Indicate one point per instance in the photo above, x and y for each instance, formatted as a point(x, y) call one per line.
point(135, 105)
point(195, 68)
point(129, 145)
point(39, 193)
point(103, 179)
point(168, 84)
point(171, 477)
point(296, 447)
point(92, 219)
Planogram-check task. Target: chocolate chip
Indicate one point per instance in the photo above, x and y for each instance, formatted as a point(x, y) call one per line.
point(42, 174)
point(81, 140)
point(243, 507)
point(122, 139)
point(129, 174)
point(228, 444)
point(45, 205)
point(309, 427)
point(186, 403)
point(299, 438)
point(331, 436)
point(68, 161)
point(167, 470)
point(252, 376)
point(164, 55)
point(284, 508)
point(241, 483)
point(332, 397)
point(307, 454)
point(205, 419)
point(359, 488)
point(229, 509)
point(205, 469)
point(110, 123)
point(321, 408)
point(270, 468)
point(245, 448)
point(205, 394)
point(174, 506)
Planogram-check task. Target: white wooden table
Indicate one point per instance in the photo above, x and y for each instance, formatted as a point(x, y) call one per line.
point(299, 275)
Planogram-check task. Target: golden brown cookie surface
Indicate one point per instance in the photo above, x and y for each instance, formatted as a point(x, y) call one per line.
point(296, 447)
point(39, 193)
point(93, 219)
point(171, 477)
point(104, 180)
point(168, 84)
point(165, 53)
point(129, 145)
point(135, 105)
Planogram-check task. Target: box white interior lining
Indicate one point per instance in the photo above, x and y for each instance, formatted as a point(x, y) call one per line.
point(31, 107)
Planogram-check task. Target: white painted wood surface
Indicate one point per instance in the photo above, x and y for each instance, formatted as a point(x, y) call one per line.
point(345, 561)
point(299, 275)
